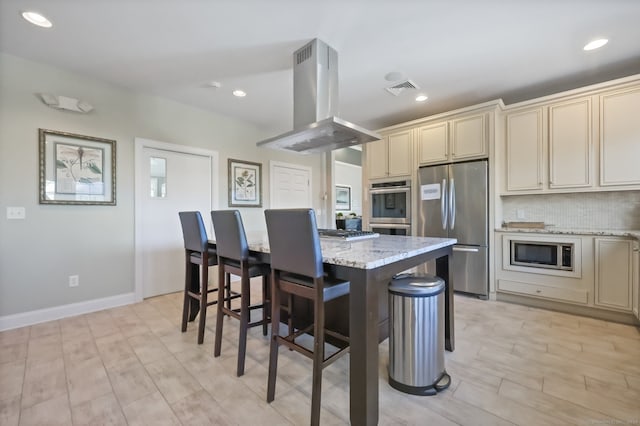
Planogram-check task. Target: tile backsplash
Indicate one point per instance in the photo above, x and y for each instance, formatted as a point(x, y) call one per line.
point(591, 210)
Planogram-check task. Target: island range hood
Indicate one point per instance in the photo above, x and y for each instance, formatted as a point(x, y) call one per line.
point(315, 103)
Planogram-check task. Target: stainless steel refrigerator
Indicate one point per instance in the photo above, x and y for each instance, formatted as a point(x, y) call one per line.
point(453, 202)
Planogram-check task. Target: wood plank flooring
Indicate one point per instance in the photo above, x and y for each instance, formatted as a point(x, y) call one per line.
point(513, 365)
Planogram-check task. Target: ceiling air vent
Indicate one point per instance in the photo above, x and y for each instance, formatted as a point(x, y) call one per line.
point(398, 88)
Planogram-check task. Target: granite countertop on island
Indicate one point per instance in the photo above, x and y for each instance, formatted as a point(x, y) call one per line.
point(364, 254)
point(570, 231)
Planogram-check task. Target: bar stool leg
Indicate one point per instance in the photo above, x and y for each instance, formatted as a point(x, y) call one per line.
point(220, 313)
point(187, 298)
point(265, 306)
point(204, 291)
point(318, 359)
point(244, 321)
point(275, 331)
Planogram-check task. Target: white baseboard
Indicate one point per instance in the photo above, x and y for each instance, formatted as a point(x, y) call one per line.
point(23, 319)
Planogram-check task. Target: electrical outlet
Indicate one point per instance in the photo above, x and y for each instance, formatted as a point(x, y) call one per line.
point(520, 213)
point(16, 213)
point(74, 280)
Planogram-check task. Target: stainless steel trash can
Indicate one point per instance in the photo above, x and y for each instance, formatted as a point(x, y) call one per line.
point(416, 338)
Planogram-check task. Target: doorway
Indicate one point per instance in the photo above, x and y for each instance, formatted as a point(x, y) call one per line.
point(290, 186)
point(168, 178)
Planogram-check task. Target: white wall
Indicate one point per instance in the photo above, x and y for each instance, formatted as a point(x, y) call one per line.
point(96, 242)
point(351, 175)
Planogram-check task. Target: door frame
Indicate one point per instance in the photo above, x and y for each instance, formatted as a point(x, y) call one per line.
point(140, 186)
point(272, 181)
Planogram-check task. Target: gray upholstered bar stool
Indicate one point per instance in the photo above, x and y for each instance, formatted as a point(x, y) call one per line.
point(296, 268)
point(233, 257)
point(198, 258)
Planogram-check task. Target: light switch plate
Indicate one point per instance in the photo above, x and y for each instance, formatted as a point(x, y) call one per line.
point(16, 213)
point(520, 214)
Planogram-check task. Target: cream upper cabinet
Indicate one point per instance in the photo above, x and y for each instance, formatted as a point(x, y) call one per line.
point(376, 159)
point(525, 143)
point(433, 143)
point(620, 138)
point(458, 139)
point(614, 273)
point(469, 137)
point(391, 156)
point(570, 146)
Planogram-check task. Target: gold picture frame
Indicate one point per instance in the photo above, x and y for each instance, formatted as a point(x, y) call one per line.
point(245, 183)
point(76, 169)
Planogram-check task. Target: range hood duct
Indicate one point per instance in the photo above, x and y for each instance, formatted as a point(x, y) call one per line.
point(315, 103)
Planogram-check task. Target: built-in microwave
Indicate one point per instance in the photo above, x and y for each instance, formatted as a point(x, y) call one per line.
point(539, 254)
point(390, 202)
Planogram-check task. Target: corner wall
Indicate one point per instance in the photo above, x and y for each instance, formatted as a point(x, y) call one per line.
point(96, 242)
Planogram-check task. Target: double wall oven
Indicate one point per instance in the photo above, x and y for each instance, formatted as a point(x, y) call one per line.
point(390, 207)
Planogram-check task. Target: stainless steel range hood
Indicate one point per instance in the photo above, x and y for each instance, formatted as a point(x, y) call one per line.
point(315, 103)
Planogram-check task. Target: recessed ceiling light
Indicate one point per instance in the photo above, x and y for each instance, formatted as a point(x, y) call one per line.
point(239, 93)
point(421, 98)
point(37, 19)
point(595, 44)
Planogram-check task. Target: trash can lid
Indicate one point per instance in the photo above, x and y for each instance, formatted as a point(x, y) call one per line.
point(416, 285)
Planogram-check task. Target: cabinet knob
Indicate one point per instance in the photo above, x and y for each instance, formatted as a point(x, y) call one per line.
point(538, 291)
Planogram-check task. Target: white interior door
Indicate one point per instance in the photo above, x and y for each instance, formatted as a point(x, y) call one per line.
point(187, 184)
point(290, 186)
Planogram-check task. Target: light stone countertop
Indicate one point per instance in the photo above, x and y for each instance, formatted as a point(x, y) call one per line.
point(566, 231)
point(364, 254)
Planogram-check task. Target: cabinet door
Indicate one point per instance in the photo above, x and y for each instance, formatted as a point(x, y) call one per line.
point(524, 150)
point(433, 143)
point(620, 138)
point(400, 153)
point(376, 158)
point(570, 144)
point(468, 137)
point(636, 280)
point(613, 273)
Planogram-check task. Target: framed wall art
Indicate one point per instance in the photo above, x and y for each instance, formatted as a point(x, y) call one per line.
point(76, 169)
point(343, 197)
point(245, 184)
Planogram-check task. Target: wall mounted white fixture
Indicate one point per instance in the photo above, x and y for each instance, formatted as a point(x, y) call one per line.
point(66, 103)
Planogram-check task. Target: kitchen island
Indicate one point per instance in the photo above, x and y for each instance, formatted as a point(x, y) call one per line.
point(369, 265)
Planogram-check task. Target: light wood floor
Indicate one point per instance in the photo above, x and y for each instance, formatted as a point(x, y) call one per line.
point(131, 365)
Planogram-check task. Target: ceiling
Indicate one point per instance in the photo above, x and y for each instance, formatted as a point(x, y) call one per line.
point(459, 52)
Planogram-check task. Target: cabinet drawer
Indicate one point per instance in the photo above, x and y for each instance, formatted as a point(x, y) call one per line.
point(557, 293)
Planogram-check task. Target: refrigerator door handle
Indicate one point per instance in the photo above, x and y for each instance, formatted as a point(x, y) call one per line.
point(466, 249)
point(443, 204)
point(452, 204)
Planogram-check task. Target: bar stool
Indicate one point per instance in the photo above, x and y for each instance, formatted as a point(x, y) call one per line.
point(296, 268)
point(198, 258)
point(233, 257)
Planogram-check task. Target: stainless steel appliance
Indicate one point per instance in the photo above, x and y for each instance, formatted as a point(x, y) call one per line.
point(391, 228)
point(390, 202)
point(315, 105)
point(453, 202)
point(537, 254)
point(346, 234)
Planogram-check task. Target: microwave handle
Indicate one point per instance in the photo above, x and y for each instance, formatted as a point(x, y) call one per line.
point(392, 190)
point(443, 204)
point(389, 226)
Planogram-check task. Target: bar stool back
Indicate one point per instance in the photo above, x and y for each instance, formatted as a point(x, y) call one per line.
point(198, 258)
point(233, 257)
point(297, 268)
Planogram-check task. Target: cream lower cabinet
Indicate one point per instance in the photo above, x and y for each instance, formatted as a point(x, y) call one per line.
point(613, 273)
point(391, 156)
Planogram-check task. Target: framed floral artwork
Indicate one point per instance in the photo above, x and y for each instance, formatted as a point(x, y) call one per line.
point(76, 169)
point(245, 184)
